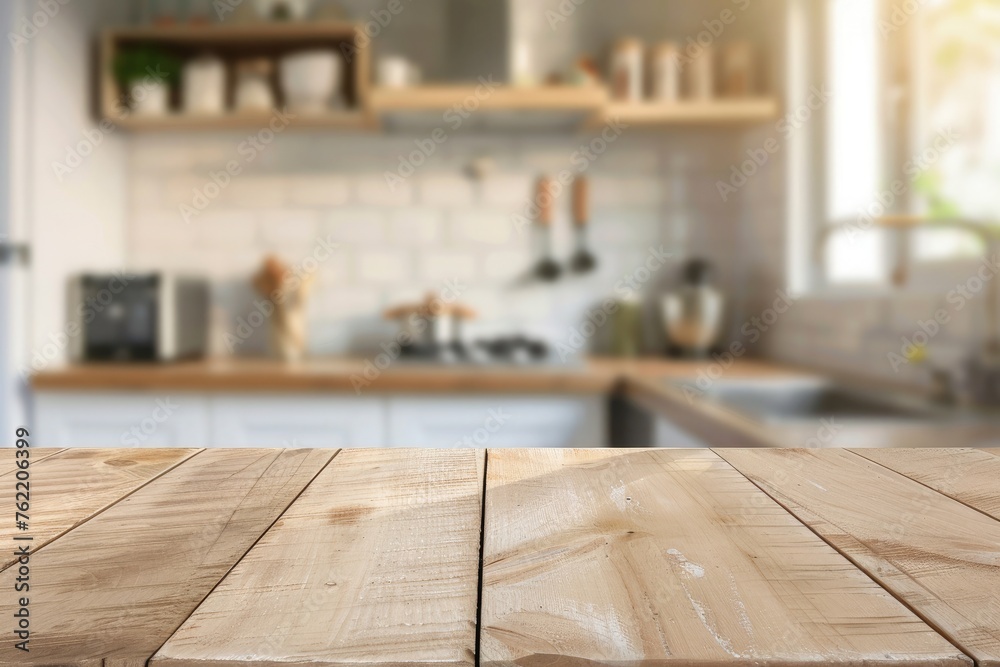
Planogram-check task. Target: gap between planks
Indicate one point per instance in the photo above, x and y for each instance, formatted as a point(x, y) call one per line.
point(238, 560)
point(931, 624)
point(482, 544)
point(928, 486)
point(106, 507)
point(48, 455)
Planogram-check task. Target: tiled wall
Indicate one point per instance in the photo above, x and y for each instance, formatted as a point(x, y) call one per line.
point(439, 225)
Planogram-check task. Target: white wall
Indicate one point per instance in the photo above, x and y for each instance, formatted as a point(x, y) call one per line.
point(76, 222)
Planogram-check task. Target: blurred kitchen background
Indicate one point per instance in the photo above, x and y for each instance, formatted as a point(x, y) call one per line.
point(500, 222)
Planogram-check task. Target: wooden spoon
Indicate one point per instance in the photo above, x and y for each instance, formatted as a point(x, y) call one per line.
point(548, 269)
point(583, 261)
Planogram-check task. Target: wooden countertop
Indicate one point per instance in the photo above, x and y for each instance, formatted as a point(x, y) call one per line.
point(348, 375)
point(599, 557)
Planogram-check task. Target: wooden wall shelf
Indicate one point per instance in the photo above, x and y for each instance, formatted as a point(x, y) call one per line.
point(692, 112)
point(352, 120)
point(232, 43)
point(593, 103)
point(504, 98)
point(513, 107)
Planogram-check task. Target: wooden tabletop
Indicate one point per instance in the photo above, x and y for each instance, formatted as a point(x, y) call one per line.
point(535, 558)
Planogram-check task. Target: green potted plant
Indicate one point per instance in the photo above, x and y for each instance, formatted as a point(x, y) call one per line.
point(145, 75)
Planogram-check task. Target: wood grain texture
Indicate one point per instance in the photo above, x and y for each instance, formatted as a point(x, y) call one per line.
point(939, 556)
point(76, 484)
point(971, 476)
point(671, 557)
point(114, 589)
point(377, 563)
point(8, 463)
point(326, 375)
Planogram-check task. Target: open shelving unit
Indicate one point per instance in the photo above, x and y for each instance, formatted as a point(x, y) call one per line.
point(232, 43)
point(367, 107)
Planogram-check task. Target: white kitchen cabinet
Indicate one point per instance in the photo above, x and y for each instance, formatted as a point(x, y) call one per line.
point(314, 420)
point(497, 421)
point(114, 419)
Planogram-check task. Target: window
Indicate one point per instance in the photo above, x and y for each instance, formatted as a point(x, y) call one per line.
point(957, 95)
point(853, 139)
point(912, 128)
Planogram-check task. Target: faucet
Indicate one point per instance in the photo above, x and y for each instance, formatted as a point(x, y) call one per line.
point(984, 368)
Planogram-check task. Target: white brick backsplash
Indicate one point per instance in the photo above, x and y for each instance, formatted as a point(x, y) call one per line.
point(445, 190)
point(490, 306)
point(148, 193)
point(550, 159)
point(416, 227)
point(254, 192)
point(163, 154)
point(167, 229)
point(508, 192)
point(437, 225)
point(507, 265)
point(407, 294)
point(325, 190)
point(176, 191)
point(531, 304)
point(337, 270)
point(621, 157)
point(622, 227)
point(489, 228)
point(374, 190)
point(441, 266)
point(289, 229)
point(635, 191)
point(341, 304)
point(356, 225)
point(237, 263)
point(384, 267)
point(227, 229)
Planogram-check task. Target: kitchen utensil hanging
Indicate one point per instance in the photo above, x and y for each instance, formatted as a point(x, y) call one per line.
point(547, 269)
point(582, 261)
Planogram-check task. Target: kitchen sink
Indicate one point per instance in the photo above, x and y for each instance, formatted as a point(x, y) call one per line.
point(812, 399)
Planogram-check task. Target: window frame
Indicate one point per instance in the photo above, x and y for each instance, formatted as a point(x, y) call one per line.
point(901, 124)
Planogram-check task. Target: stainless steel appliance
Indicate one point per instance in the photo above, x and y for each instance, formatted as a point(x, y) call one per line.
point(693, 313)
point(151, 317)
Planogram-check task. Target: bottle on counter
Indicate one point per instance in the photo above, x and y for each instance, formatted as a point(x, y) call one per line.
point(626, 338)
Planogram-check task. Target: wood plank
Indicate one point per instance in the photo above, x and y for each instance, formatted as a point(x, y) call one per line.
point(692, 112)
point(671, 557)
point(349, 119)
point(970, 476)
point(68, 488)
point(507, 98)
point(8, 465)
point(324, 375)
point(250, 33)
point(939, 556)
point(377, 563)
point(114, 589)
